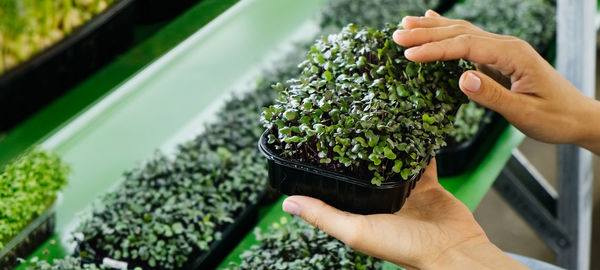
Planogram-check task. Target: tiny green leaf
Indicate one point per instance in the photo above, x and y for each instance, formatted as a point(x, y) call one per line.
point(397, 166)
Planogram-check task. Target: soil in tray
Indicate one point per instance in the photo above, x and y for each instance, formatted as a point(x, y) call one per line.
point(308, 155)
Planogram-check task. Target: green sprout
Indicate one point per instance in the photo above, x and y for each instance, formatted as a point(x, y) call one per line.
point(27, 27)
point(359, 105)
point(468, 119)
point(371, 13)
point(169, 211)
point(295, 244)
point(28, 187)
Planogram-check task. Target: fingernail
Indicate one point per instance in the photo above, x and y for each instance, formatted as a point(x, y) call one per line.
point(291, 207)
point(409, 51)
point(396, 35)
point(406, 18)
point(431, 13)
point(471, 82)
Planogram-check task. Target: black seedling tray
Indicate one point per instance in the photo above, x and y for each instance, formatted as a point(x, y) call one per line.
point(232, 234)
point(341, 191)
point(36, 82)
point(456, 159)
point(154, 11)
point(28, 240)
point(444, 6)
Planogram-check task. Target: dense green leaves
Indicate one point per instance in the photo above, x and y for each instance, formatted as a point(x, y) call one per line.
point(369, 106)
point(167, 211)
point(371, 13)
point(29, 26)
point(295, 244)
point(468, 120)
point(28, 186)
point(531, 20)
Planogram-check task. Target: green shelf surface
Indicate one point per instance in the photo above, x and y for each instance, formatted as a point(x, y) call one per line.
point(469, 187)
point(157, 105)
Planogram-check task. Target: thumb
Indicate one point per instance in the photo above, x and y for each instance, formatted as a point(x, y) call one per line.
point(342, 225)
point(489, 93)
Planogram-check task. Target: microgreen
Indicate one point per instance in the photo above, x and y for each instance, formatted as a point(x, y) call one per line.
point(168, 211)
point(29, 26)
point(468, 120)
point(28, 186)
point(371, 13)
point(368, 107)
point(294, 244)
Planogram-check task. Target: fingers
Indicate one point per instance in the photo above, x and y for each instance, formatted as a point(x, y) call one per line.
point(342, 225)
point(489, 93)
point(410, 22)
point(419, 36)
point(471, 47)
point(478, 49)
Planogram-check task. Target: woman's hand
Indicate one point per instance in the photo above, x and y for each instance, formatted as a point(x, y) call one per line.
point(540, 103)
point(434, 230)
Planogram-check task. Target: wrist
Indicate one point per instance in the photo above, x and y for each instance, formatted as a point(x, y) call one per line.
point(589, 123)
point(477, 253)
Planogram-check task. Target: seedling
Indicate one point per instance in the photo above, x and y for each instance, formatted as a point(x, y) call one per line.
point(371, 13)
point(28, 187)
point(466, 125)
point(361, 108)
point(169, 211)
point(29, 26)
point(294, 244)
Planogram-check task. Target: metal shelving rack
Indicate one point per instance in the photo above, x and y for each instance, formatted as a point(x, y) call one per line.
point(563, 218)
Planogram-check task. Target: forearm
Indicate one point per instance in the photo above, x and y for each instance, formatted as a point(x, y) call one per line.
point(480, 254)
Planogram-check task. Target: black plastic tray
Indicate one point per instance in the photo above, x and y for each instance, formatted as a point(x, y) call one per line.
point(232, 234)
point(341, 191)
point(34, 83)
point(456, 159)
point(154, 11)
point(28, 240)
point(444, 6)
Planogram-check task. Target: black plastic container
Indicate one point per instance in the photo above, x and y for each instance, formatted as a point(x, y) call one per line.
point(26, 242)
point(341, 191)
point(444, 6)
point(34, 83)
point(218, 250)
point(456, 159)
